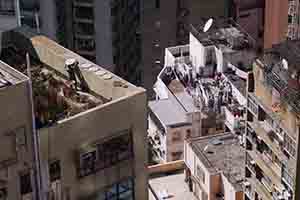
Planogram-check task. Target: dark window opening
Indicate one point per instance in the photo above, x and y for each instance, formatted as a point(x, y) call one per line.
point(107, 154)
point(290, 18)
point(245, 15)
point(157, 4)
point(54, 171)
point(25, 184)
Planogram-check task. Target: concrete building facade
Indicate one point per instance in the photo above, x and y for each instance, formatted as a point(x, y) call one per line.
point(272, 147)
point(89, 146)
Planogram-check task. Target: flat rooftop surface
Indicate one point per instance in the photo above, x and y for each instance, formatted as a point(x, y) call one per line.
point(168, 112)
point(174, 184)
point(222, 153)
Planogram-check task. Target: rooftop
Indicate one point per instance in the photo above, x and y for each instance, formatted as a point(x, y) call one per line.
point(238, 47)
point(168, 112)
point(9, 76)
point(222, 154)
point(56, 94)
point(172, 185)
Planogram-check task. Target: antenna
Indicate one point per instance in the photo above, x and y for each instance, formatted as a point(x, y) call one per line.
point(208, 25)
point(285, 64)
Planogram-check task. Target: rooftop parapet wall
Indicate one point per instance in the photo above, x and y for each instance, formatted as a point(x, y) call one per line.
point(54, 55)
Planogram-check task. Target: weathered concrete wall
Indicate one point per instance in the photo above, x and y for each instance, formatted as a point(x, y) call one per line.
point(15, 121)
point(62, 140)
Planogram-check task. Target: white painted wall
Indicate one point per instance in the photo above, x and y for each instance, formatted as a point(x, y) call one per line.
point(169, 58)
point(161, 89)
point(219, 57)
point(197, 52)
point(229, 117)
point(228, 189)
point(238, 72)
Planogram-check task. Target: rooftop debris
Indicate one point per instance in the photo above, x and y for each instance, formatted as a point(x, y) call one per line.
point(55, 96)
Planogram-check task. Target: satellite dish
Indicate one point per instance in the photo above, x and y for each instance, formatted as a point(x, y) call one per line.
point(285, 64)
point(207, 25)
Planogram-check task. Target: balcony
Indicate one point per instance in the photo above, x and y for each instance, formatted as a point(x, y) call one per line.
point(268, 168)
point(273, 145)
point(259, 188)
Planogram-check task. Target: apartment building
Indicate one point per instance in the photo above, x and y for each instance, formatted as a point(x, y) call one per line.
point(165, 23)
point(214, 167)
point(105, 32)
point(250, 15)
point(9, 12)
point(272, 147)
point(91, 124)
point(202, 88)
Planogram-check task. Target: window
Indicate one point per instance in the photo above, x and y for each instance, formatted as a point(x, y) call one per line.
point(289, 145)
point(200, 174)
point(87, 163)
point(219, 126)
point(20, 137)
point(54, 170)
point(290, 19)
point(25, 184)
point(188, 133)
point(252, 106)
point(245, 15)
point(115, 150)
point(176, 136)
point(3, 194)
point(157, 4)
point(85, 44)
point(121, 191)
point(287, 176)
point(107, 154)
point(84, 13)
point(177, 155)
point(7, 6)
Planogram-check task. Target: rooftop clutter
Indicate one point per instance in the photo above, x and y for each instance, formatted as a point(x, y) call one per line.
point(55, 96)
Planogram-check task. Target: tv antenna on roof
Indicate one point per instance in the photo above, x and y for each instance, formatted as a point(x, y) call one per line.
point(208, 25)
point(285, 64)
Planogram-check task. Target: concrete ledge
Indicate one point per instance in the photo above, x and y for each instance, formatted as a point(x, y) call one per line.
point(167, 167)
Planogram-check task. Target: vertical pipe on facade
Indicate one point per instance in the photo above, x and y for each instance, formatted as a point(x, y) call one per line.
point(18, 12)
point(37, 176)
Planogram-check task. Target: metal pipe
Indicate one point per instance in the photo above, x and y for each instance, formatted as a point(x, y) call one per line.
point(35, 141)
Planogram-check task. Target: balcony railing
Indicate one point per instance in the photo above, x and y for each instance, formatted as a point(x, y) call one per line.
point(288, 94)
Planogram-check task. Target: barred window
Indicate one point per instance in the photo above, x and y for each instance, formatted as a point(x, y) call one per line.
point(107, 154)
